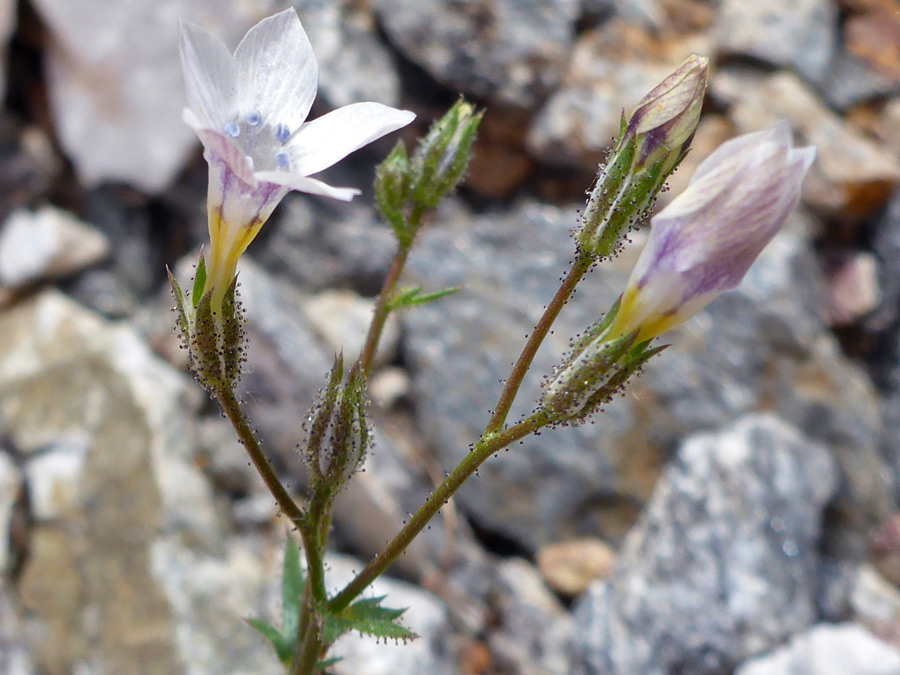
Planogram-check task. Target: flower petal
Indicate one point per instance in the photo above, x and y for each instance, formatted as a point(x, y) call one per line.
point(209, 76)
point(779, 134)
point(308, 185)
point(219, 148)
point(330, 138)
point(277, 73)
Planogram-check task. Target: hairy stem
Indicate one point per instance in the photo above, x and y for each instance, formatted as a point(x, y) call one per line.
point(232, 410)
point(481, 451)
point(379, 318)
point(579, 268)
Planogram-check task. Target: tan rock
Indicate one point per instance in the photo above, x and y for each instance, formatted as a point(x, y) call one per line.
point(570, 566)
point(610, 71)
point(852, 176)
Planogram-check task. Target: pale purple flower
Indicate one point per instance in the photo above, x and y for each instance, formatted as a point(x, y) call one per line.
point(249, 111)
point(705, 240)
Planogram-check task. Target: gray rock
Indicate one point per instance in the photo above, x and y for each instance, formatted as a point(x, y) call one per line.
point(48, 243)
point(722, 564)
point(353, 64)
point(610, 70)
point(852, 81)
point(317, 245)
point(802, 36)
point(10, 493)
point(534, 629)
point(105, 429)
point(136, 265)
point(28, 163)
point(647, 13)
point(54, 477)
point(761, 347)
point(15, 657)
point(510, 52)
point(115, 84)
point(209, 596)
point(828, 649)
point(852, 177)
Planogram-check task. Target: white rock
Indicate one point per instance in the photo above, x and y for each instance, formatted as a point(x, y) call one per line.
point(873, 598)
point(341, 319)
point(826, 649)
point(47, 243)
point(209, 596)
point(115, 86)
point(10, 490)
point(54, 478)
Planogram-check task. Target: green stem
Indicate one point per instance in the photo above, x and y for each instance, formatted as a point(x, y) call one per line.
point(483, 449)
point(382, 310)
point(309, 656)
point(579, 268)
point(306, 618)
point(232, 410)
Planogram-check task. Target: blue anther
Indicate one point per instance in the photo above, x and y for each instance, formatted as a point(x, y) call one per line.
point(254, 118)
point(232, 129)
point(283, 159)
point(282, 133)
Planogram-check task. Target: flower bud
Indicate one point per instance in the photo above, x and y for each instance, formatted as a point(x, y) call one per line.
point(214, 339)
point(440, 161)
point(393, 186)
point(666, 118)
point(705, 240)
point(338, 428)
point(650, 146)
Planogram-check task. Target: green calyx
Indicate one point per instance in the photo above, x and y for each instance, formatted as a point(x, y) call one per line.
point(214, 340)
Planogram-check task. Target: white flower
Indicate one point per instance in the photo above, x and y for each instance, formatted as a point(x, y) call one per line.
point(249, 111)
point(705, 240)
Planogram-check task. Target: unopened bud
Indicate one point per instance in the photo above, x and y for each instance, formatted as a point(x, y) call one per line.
point(339, 435)
point(393, 187)
point(440, 162)
point(649, 148)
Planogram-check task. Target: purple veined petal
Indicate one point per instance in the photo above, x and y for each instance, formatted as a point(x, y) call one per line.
point(779, 134)
point(277, 74)
point(219, 148)
point(309, 185)
point(209, 76)
point(330, 138)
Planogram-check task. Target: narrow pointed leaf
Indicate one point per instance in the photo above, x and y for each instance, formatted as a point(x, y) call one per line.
point(283, 646)
point(292, 583)
point(199, 282)
point(413, 297)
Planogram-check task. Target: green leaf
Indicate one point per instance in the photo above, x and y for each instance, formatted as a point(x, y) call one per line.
point(292, 583)
point(368, 617)
point(283, 646)
point(183, 321)
point(412, 296)
point(199, 282)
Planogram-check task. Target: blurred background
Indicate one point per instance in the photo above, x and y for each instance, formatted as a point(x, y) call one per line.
point(734, 511)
